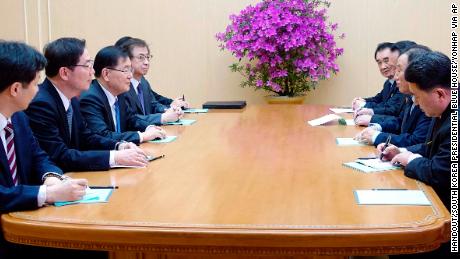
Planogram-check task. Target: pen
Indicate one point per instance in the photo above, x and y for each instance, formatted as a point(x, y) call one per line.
point(183, 97)
point(104, 187)
point(385, 146)
point(150, 158)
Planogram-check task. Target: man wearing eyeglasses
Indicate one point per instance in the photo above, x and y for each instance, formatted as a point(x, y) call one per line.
point(56, 120)
point(106, 110)
point(149, 105)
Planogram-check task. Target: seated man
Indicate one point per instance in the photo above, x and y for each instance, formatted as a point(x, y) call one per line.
point(106, 110)
point(389, 101)
point(56, 120)
point(28, 180)
point(411, 126)
point(149, 105)
point(429, 81)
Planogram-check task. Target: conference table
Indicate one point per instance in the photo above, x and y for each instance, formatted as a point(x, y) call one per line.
point(249, 183)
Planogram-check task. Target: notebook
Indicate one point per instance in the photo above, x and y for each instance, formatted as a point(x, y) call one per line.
point(391, 197)
point(341, 110)
point(91, 196)
point(224, 105)
point(348, 142)
point(324, 119)
point(195, 110)
point(371, 165)
point(165, 140)
point(181, 122)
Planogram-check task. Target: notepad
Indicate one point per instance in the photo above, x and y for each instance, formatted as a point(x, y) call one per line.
point(324, 119)
point(341, 110)
point(371, 165)
point(391, 197)
point(196, 110)
point(181, 122)
point(348, 142)
point(91, 196)
point(350, 122)
point(165, 140)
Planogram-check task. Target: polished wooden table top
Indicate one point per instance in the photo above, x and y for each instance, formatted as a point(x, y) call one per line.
point(260, 178)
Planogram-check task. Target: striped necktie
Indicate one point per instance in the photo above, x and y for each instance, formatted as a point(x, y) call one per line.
point(10, 152)
point(117, 116)
point(69, 114)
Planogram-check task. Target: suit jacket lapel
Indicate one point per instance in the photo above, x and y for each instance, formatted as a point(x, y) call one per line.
point(105, 101)
point(133, 95)
point(4, 167)
point(60, 107)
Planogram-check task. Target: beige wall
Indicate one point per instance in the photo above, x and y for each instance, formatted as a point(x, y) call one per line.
point(187, 59)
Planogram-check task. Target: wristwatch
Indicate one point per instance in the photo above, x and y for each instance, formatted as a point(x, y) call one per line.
point(56, 175)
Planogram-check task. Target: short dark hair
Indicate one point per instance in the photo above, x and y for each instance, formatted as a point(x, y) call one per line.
point(63, 52)
point(107, 57)
point(382, 46)
point(127, 45)
point(429, 70)
point(18, 63)
point(402, 45)
point(415, 51)
point(122, 40)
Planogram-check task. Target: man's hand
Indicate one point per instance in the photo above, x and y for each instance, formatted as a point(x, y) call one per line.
point(131, 157)
point(402, 158)
point(388, 153)
point(364, 111)
point(365, 136)
point(69, 190)
point(179, 102)
point(153, 132)
point(363, 120)
point(170, 115)
point(357, 103)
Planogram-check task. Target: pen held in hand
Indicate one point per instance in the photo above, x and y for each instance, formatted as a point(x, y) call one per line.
point(387, 142)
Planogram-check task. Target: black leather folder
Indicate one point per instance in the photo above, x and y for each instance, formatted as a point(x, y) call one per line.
point(224, 105)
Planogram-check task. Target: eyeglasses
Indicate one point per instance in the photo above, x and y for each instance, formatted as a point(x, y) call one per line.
point(89, 64)
point(143, 57)
point(125, 71)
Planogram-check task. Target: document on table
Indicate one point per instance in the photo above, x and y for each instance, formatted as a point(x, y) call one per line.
point(341, 110)
point(371, 165)
point(196, 110)
point(91, 196)
point(324, 119)
point(348, 142)
point(181, 122)
point(391, 197)
point(350, 122)
point(165, 140)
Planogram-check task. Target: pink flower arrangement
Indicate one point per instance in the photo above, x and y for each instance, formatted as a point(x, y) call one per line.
point(288, 43)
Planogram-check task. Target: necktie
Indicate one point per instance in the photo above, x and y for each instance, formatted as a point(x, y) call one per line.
point(10, 152)
point(117, 116)
point(140, 96)
point(407, 112)
point(69, 119)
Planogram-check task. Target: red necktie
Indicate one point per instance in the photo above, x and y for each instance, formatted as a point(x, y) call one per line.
point(10, 152)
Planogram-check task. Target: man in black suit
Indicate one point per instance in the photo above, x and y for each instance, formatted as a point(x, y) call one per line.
point(56, 120)
point(149, 105)
point(429, 162)
point(28, 180)
point(106, 110)
point(389, 102)
point(411, 126)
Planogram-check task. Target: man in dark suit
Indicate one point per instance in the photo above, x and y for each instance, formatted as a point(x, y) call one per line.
point(149, 105)
point(411, 126)
point(390, 101)
point(106, 110)
point(429, 80)
point(28, 180)
point(56, 120)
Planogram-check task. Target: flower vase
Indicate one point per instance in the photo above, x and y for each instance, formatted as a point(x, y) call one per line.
point(275, 99)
